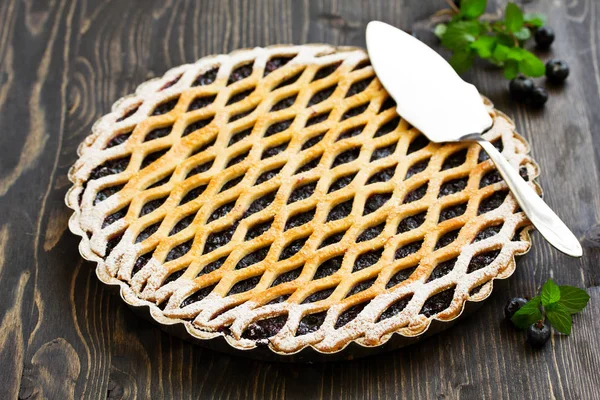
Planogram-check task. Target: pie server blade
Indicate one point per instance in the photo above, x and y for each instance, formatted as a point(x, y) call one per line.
point(432, 97)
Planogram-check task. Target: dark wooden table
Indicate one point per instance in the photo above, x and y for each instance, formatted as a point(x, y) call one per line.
point(63, 335)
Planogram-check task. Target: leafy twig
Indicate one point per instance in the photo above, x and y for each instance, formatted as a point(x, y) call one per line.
point(468, 35)
point(556, 303)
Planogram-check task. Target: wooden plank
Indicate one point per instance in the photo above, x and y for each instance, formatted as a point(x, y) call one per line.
point(63, 335)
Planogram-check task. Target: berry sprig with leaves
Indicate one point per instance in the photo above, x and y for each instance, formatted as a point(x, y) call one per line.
point(468, 35)
point(554, 303)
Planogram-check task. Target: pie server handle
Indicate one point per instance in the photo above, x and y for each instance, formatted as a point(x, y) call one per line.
point(539, 213)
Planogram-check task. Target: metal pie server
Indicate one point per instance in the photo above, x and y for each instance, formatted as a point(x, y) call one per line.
point(433, 98)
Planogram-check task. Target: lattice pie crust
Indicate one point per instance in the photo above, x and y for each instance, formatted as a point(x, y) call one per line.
point(274, 197)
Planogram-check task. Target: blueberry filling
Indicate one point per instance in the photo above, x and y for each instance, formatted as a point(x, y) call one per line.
point(268, 175)
point(240, 73)
point(302, 192)
point(410, 223)
point(193, 194)
point(179, 251)
point(359, 86)
point(346, 157)
point(311, 323)
point(312, 141)
point(278, 127)
point(110, 167)
point(197, 296)
point(400, 277)
point(260, 204)
point(300, 219)
point(453, 186)
point(452, 212)
point(437, 303)
point(265, 328)
point(147, 232)
point(326, 71)
point(273, 151)
point(321, 95)
point(206, 78)
point(353, 112)
point(376, 201)
point(329, 267)
point(332, 239)
point(416, 194)
point(165, 107)
point(152, 205)
point(219, 239)
point(244, 285)
point(446, 239)
point(482, 260)
point(361, 287)
point(196, 126)
point(292, 249)
point(370, 233)
point(309, 165)
point(349, 315)
point(387, 127)
point(455, 160)
point(239, 96)
point(287, 277)
point(341, 183)
point(276, 63)
point(367, 259)
point(285, 103)
point(395, 308)
point(441, 270)
point(408, 249)
point(340, 211)
point(253, 258)
point(257, 230)
point(201, 102)
point(383, 152)
point(383, 175)
point(492, 202)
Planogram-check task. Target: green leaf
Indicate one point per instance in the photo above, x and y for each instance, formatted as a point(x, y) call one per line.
point(462, 60)
point(515, 54)
point(528, 314)
point(501, 52)
point(535, 19)
point(506, 40)
point(460, 35)
point(550, 293)
point(560, 318)
point(523, 34)
point(513, 18)
point(511, 69)
point(573, 299)
point(440, 29)
point(472, 8)
point(484, 46)
point(530, 65)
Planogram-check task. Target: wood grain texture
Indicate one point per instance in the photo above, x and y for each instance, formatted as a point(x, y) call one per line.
point(63, 335)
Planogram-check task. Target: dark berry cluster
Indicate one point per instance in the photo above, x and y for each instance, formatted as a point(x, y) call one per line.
point(524, 90)
point(538, 333)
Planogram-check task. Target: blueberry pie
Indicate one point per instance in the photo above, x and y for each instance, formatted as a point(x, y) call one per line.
point(272, 197)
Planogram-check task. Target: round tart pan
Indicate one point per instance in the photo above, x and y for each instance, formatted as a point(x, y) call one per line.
point(210, 197)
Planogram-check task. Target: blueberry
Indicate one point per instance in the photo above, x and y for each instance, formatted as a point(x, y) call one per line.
point(513, 306)
point(520, 88)
point(538, 97)
point(538, 334)
point(544, 37)
point(557, 71)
